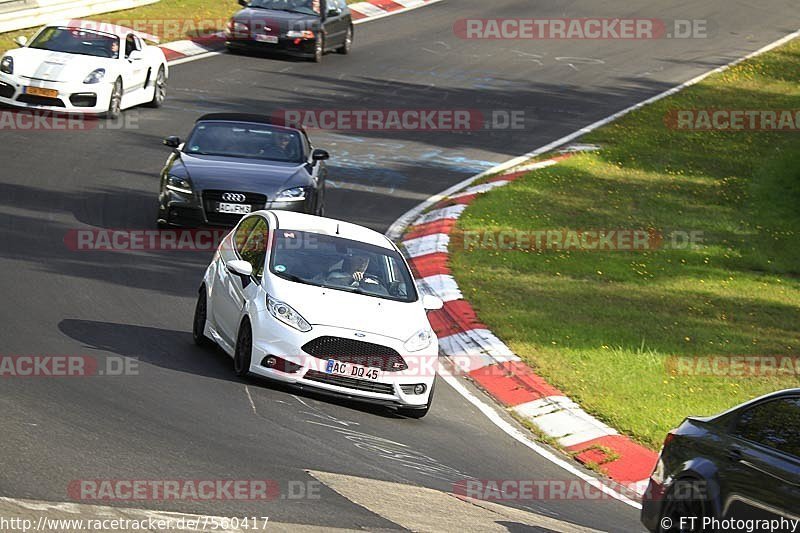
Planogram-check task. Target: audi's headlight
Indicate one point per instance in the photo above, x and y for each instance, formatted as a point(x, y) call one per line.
point(95, 76)
point(7, 65)
point(297, 194)
point(419, 341)
point(300, 34)
point(287, 315)
point(181, 185)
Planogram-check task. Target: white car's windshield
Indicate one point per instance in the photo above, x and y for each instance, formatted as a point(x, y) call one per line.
point(234, 139)
point(77, 41)
point(341, 264)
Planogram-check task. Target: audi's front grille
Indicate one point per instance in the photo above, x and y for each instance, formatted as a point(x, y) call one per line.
point(212, 197)
point(349, 383)
point(356, 352)
point(33, 99)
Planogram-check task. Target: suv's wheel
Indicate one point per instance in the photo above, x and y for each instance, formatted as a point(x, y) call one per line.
point(244, 350)
point(200, 316)
point(347, 47)
point(685, 498)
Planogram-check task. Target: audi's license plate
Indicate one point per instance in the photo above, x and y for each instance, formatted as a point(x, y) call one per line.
point(38, 91)
point(235, 209)
point(349, 370)
point(271, 39)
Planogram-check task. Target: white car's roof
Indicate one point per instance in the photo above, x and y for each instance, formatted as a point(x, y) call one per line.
point(105, 27)
point(329, 226)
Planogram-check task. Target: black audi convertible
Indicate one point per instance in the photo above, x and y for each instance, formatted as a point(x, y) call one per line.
point(235, 164)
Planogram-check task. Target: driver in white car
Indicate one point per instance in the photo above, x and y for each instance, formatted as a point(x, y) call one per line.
point(353, 271)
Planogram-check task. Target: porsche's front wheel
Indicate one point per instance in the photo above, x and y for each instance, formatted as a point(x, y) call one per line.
point(160, 88)
point(115, 101)
point(244, 350)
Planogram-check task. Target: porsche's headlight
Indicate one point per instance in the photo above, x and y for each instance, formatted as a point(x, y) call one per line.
point(95, 76)
point(181, 185)
point(298, 34)
point(419, 341)
point(7, 65)
point(287, 315)
point(296, 194)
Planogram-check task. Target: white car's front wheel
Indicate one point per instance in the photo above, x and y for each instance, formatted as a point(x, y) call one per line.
point(200, 316)
point(244, 350)
point(115, 102)
point(160, 92)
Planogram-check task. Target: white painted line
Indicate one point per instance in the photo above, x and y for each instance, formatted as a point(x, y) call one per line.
point(410, 3)
point(523, 438)
point(452, 212)
point(442, 285)
point(397, 11)
point(370, 10)
point(480, 189)
point(395, 231)
point(428, 244)
point(187, 47)
point(476, 343)
point(192, 58)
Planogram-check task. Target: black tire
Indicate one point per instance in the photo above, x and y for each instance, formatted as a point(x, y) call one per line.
point(160, 84)
point(418, 413)
point(200, 317)
point(347, 47)
point(685, 498)
point(244, 350)
point(115, 101)
point(319, 49)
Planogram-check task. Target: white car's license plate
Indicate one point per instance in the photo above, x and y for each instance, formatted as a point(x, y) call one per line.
point(236, 209)
point(349, 370)
point(271, 39)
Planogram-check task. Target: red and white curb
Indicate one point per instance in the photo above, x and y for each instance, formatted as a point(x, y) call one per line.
point(177, 51)
point(477, 352)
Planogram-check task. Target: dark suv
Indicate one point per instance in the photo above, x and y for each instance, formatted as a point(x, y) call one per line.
point(305, 28)
point(743, 464)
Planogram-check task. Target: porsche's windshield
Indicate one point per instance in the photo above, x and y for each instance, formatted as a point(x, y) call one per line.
point(341, 264)
point(308, 7)
point(237, 139)
point(77, 41)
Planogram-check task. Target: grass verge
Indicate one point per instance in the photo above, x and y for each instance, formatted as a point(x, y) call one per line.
point(603, 325)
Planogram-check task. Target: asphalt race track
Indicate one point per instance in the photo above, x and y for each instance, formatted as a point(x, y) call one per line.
point(185, 416)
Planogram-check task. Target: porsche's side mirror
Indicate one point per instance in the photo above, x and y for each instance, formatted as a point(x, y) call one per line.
point(21, 41)
point(172, 141)
point(320, 155)
point(432, 303)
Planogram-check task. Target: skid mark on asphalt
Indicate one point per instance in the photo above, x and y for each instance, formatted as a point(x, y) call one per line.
point(422, 509)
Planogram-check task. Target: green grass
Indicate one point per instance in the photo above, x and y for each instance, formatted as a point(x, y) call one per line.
point(601, 325)
point(182, 11)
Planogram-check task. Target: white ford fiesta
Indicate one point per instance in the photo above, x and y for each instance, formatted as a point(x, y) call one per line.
point(85, 67)
point(323, 304)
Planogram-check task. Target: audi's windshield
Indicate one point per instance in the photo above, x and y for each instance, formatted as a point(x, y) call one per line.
point(235, 139)
point(341, 264)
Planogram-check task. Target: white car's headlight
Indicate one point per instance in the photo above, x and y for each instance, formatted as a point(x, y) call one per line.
point(181, 185)
point(298, 194)
point(7, 65)
point(95, 76)
point(419, 341)
point(298, 34)
point(287, 315)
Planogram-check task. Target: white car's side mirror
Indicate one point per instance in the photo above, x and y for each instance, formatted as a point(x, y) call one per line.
point(432, 303)
point(242, 268)
point(21, 41)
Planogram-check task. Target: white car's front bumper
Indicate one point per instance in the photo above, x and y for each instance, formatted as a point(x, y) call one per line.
point(391, 388)
point(71, 98)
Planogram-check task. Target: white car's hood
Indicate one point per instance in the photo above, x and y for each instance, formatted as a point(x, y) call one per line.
point(56, 66)
point(334, 308)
